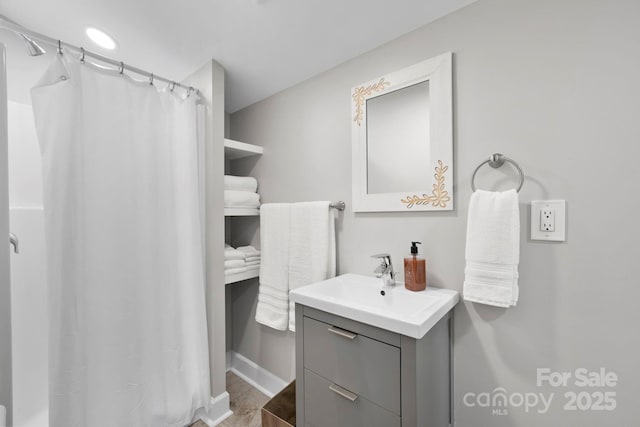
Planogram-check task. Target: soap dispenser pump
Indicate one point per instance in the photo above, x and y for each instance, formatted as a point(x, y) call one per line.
point(415, 270)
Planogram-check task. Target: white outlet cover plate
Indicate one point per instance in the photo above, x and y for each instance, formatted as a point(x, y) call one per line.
point(559, 234)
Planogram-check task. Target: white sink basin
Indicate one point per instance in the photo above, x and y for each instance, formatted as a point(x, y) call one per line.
point(358, 297)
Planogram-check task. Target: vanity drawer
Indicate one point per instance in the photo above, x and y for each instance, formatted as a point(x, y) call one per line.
point(325, 407)
point(364, 366)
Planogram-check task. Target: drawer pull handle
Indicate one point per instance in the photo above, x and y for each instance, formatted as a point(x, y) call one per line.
point(343, 392)
point(343, 333)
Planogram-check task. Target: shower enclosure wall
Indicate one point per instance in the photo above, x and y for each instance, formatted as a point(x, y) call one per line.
point(5, 284)
point(28, 282)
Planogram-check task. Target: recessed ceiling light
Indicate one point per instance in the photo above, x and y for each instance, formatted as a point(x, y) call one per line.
point(101, 38)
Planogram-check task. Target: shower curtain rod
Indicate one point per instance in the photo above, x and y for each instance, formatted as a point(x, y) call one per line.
point(60, 45)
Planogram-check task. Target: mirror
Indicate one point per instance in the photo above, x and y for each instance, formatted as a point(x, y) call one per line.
point(402, 139)
point(397, 129)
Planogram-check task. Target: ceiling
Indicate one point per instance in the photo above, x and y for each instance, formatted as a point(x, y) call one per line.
point(265, 46)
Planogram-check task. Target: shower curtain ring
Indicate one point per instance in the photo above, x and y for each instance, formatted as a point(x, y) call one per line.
point(82, 58)
point(151, 79)
point(121, 68)
point(189, 91)
point(172, 86)
point(59, 47)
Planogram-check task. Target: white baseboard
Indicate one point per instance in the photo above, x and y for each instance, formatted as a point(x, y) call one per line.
point(229, 360)
point(254, 374)
point(217, 411)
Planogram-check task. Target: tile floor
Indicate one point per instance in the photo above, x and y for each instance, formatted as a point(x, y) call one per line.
point(245, 402)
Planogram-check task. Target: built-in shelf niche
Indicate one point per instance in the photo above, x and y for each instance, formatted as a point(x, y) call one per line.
point(233, 278)
point(236, 150)
point(241, 211)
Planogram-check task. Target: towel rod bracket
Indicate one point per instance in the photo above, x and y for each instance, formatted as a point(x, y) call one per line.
point(495, 161)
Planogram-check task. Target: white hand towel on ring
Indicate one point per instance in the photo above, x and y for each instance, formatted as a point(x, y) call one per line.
point(493, 248)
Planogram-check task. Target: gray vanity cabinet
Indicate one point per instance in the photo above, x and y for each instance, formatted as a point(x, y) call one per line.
point(349, 374)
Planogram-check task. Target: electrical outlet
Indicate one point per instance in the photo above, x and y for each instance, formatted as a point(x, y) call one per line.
point(548, 220)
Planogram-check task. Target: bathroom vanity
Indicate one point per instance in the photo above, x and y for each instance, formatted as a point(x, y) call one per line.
point(391, 370)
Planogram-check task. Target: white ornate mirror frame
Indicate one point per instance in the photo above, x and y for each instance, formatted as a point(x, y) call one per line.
point(437, 193)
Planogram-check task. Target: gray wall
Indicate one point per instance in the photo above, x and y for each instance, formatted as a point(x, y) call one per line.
point(553, 85)
point(210, 80)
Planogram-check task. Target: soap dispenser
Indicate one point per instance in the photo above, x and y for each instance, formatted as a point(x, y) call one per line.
point(415, 270)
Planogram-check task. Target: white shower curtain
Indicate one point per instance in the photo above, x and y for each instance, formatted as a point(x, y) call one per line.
point(128, 339)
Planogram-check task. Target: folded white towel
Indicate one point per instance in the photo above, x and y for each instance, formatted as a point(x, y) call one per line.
point(312, 250)
point(253, 258)
point(239, 270)
point(230, 254)
point(252, 263)
point(273, 296)
point(241, 199)
point(240, 183)
point(234, 263)
point(249, 250)
point(493, 248)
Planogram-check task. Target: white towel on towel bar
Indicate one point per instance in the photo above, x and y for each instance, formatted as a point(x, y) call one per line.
point(312, 250)
point(297, 248)
point(273, 293)
point(493, 248)
point(240, 183)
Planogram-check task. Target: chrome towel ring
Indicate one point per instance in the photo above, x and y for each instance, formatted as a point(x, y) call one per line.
point(495, 161)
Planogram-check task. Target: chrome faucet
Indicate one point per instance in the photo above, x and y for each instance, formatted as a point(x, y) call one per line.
point(385, 270)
